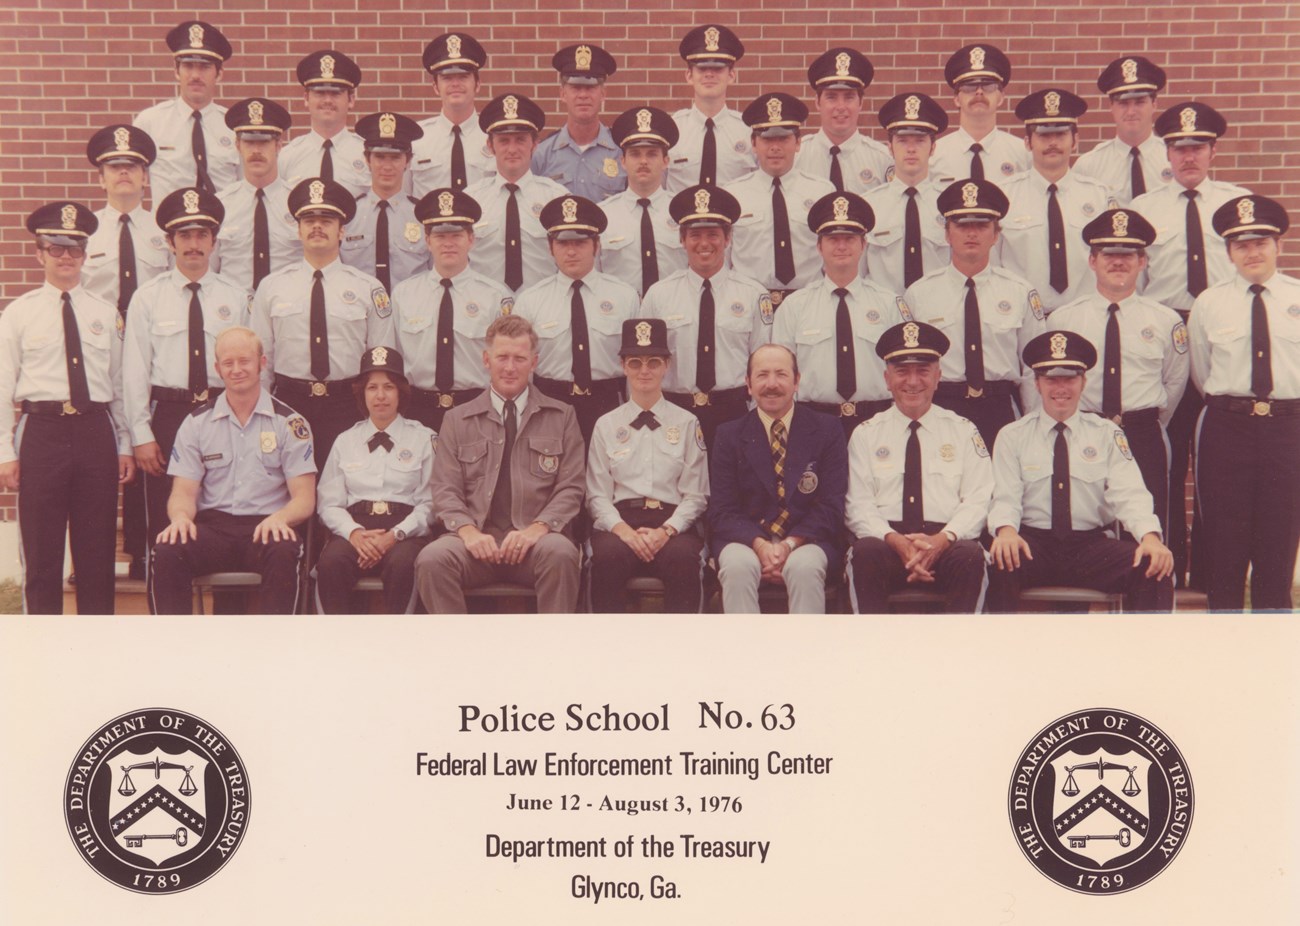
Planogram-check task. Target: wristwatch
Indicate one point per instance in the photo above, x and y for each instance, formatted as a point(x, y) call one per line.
point(399, 534)
point(669, 530)
point(951, 535)
point(789, 542)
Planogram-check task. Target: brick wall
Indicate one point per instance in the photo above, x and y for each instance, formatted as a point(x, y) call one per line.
point(68, 67)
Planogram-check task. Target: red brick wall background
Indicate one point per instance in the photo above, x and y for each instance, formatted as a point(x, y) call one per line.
point(69, 67)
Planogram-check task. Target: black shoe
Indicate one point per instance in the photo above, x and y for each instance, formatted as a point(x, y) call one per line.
point(136, 572)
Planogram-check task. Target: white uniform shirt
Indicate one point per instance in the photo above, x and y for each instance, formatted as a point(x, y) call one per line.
point(34, 361)
point(1004, 156)
point(157, 350)
point(431, 155)
point(1105, 482)
point(476, 300)
point(864, 162)
point(668, 463)
point(99, 274)
point(742, 322)
point(735, 153)
point(620, 245)
point(171, 126)
point(489, 254)
point(407, 252)
point(233, 258)
point(301, 159)
point(1111, 163)
point(752, 237)
point(1221, 343)
point(1153, 351)
point(956, 476)
point(884, 256)
point(355, 474)
point(606, 302)
point(806, 324)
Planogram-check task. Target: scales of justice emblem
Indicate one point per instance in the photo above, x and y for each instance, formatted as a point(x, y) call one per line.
point(158, 808)
point(1101, 811)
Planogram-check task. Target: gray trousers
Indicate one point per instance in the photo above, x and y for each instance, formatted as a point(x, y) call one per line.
point(804, 573)
point(444, 569)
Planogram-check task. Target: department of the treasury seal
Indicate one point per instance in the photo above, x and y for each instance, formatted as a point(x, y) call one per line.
point(157, 800)
point(1101, 801)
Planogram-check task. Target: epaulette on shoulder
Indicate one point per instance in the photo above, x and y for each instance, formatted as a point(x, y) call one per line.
point(281, 408)
point(203, 408)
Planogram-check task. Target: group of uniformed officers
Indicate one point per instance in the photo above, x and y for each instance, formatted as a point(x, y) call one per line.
point(961, 363)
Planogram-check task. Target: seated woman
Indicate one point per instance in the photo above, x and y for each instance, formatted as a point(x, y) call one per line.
point(375, 497)
point(647, 483)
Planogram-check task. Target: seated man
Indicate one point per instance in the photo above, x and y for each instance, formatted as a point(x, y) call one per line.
point(1061, 478)
point(778, 478)
point(919, 485)
point(507, 480)
point(243, 478)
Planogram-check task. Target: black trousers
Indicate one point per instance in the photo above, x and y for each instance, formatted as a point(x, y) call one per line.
point(1248, 480)
point(1190, 553)
point(167, 418)
point(990, 413)
point(726, 406)
point(678, 565)
point(605, 397)
point(337, 569)
point(877, 573)
point(225, 544)
point(1085, 559)
point(67, 470)
point(424, 406)
point(135, 520)
point(1147, 441)
point(329, 416)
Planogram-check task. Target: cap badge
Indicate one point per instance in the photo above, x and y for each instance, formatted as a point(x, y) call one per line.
point(122, 139)
point(977, 58)
point(379, 356)
point(445, 203)
point(1052, 103)
point(68, 216)
point(327, 67)
point(191, 201)
point(255, 112)
point(970, 195)
point(196, 36)
point(911, 335)
point(511, 105)
point(316, 192)
point(570, 209)
point(842, 64)
point(453, 46)
point(1130, 70)
point(387, 125)
point(643, 120)
point(701, 201)
point(774, 110)
point(643, 334)
point(1246, 211)
point(711, 36)
point(1187, 119)
point(1119, 224)
point(1058, 346)
point(841, 206)
point(912, 107)
point(582, 58)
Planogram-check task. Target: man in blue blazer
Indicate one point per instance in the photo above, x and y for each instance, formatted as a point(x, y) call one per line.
point(778, 476)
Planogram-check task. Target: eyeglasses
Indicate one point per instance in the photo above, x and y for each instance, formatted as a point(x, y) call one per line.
point(59, 250)
point(654, 364)
point(971, 86)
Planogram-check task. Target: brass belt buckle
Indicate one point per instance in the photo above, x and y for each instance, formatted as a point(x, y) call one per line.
point(319, 389)
point(69, 408)
point(379, 508)
point(700, 399)
point(200, 396)
point(848, 410)
point(973, 393)
point(1262, 408)
point(445, 400)
point(578, 390)
point(653, 504)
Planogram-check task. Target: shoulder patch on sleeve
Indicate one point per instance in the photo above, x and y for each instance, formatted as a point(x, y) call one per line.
point(298, 425)
point(699, 437)
point(1180, 337)
point(121, 326)
point(765, 309)
point(383, 305)
point(1036, 304)
point(980, 447)
point(507, 305)
point(903, 310)
point(1122, 443)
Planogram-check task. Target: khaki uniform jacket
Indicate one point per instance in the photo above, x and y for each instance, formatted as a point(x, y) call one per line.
point(547, 471)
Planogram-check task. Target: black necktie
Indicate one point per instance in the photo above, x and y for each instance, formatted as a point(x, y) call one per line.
point(201, 178)
point(837, 174)
point(320, 340)
point(581, 338)
point(646, 419)
point(78, 391)
point(781, 234)
point(705, 371)
point(381, 247)
point(912, 269)
point(1136, 179)
point(380, 439)
point(1196, 275)
point(514, 249)
point(126, 279)
point(649, 254)
point(1060, 273)
point(976, 164)
point(974, 339)
point(458, 177)
point(261, 240)
point(1111, 378)
point(198, 347)
point(499, 512)
point(913, 501)
point(1261, 360)
point(327, 161)
point(445, 378)
point(846, 372)
point(1062, 523)
point(709, 156)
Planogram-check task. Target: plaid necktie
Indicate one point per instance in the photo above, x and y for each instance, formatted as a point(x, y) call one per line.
point(777, 525)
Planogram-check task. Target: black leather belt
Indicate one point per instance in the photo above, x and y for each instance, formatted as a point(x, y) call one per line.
point(312, 389)
point(184, 396)
point(447, 399)
point(1141, 416)
point(927, 527)
point(701, 399)
point(400, 509)
point(1262, 408)
point(644, 504)
point(558, 388)
point(56, 409)
point(864, 409)
point(997, 387)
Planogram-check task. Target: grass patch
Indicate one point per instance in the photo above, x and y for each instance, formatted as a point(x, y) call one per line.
point(11, 597)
